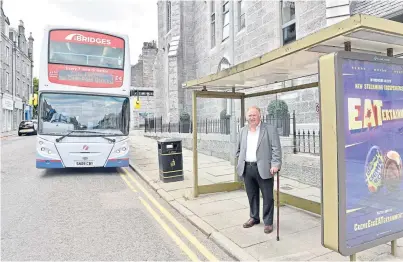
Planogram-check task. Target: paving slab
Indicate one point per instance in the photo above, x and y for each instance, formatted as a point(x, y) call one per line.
point(211, 209)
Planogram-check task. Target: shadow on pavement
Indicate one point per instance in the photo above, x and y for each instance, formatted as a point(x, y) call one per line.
point(100, 171)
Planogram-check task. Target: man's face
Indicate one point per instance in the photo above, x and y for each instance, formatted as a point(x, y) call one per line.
point(253, 117)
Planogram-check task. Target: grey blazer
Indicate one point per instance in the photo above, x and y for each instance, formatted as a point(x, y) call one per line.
point(268, 150)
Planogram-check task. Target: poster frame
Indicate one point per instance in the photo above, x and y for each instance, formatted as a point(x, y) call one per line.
point(339, 57)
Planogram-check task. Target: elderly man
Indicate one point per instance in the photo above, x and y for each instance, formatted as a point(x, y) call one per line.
point(259, 158)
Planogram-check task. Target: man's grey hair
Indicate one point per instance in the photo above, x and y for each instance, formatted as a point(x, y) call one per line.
point(255, 107)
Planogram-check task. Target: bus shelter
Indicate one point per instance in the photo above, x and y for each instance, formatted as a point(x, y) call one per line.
point(361, 34)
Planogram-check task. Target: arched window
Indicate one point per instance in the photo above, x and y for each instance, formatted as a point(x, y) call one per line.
point(224, 64)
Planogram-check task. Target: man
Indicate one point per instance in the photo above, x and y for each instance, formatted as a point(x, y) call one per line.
point(259, 158)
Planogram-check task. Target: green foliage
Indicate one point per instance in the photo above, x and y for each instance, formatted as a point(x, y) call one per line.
point(184, 117)
point(36, 88)
point(36, 85)
point(223, 114)
point(277, 107)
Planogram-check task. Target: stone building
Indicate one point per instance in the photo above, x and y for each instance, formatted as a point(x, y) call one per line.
point(197, 38)
point(16, 53)
point(142, 85)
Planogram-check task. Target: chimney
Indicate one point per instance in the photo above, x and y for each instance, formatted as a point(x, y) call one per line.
point(21, 36)
point(31, 47)
point(21, 28)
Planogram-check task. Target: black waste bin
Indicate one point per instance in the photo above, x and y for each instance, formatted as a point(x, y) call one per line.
point(170, 159)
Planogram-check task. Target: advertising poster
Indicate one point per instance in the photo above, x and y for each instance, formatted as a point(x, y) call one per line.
point(85, 76)
point(373, 150)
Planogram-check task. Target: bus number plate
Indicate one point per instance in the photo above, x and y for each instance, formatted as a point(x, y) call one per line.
point(84, 163)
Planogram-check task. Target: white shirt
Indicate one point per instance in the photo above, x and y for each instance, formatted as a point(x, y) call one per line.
point(251, 145)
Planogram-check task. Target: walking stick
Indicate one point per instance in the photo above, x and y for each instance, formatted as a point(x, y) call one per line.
point(278, 205)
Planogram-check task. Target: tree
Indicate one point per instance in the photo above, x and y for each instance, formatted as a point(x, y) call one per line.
point(277, 108)
point(36, 85)
point(35, 105)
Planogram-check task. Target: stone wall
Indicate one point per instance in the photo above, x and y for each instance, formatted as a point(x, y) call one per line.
point(137, 74)
point(310, 17)
point(304, 168)
point(376, 8)
point(149, 53)
point(197, 56)
point(142, 73)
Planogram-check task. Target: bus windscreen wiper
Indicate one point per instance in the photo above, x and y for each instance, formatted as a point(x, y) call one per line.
point(84, 131)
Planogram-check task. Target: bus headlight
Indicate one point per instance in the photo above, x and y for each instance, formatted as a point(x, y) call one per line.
point(43, 149)
point(120, 149)
point(49, 152)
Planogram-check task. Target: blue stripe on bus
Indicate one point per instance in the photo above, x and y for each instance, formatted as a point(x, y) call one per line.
point(43, 163)
point(120, 162)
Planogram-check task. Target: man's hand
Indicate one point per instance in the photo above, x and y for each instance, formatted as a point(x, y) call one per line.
point(273, 170)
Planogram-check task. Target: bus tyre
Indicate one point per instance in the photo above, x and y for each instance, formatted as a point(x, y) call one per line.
point(19, 134)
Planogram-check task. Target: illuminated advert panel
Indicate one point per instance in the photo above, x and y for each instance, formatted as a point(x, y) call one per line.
point(362, 125)
point(85, 59)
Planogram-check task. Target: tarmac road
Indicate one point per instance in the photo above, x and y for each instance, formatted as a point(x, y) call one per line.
point(88, 214)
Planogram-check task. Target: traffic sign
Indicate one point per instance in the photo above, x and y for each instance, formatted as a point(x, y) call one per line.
point(137, 104)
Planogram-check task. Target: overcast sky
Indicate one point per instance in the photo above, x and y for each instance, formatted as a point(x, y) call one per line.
point(136, 18)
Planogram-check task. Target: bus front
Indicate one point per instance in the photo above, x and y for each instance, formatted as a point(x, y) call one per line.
point(84, 107)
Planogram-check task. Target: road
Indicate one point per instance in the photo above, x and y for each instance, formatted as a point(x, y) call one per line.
point(88, 214)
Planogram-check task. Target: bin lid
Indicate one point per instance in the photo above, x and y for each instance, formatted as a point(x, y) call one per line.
point(168, 140)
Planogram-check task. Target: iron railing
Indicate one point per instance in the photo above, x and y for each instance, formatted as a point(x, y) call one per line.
point(304, 141)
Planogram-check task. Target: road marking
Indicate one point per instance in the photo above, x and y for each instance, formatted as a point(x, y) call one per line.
point(128, 183)
point(181, 228)
point(178, 241)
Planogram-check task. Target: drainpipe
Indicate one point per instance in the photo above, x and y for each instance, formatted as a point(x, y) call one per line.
point(232, 101)
point(13, 75)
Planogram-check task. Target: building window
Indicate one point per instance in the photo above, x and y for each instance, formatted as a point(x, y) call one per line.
point(7, 80)
point(17, 88)
point(169, 16)
point(225, 20)
point(212, 24)
point(241, 14)
point(288, 21)
point(7, 54)
point(224, 64)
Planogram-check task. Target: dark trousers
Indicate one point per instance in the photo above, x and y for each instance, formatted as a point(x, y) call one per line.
point(254, 182)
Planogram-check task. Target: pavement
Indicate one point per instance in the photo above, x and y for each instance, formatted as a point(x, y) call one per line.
point(7, 134)
point(221, 215)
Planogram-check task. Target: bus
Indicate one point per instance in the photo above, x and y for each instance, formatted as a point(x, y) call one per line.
point(83, 99)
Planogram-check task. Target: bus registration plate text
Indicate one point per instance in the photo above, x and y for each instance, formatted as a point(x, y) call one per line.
point(84, 163)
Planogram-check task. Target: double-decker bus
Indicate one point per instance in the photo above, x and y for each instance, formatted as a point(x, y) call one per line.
point(84, 106)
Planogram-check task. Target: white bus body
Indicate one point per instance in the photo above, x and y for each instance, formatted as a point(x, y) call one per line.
point(83, 99)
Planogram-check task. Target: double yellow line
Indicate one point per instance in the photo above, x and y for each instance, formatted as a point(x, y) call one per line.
point(181, 228)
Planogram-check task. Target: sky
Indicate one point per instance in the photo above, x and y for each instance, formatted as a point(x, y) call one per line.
point(136, 18)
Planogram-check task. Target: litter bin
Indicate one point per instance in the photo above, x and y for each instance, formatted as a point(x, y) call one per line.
point(170, 160)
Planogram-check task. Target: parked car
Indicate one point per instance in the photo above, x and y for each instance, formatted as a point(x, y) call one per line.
point(28, 127)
